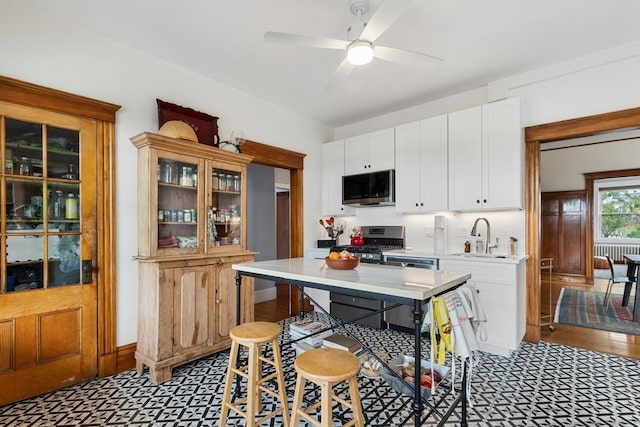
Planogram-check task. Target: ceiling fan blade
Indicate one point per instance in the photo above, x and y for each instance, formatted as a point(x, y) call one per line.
point(406, 57)
point(340, 74)
point(384, 16)
point(307, 41)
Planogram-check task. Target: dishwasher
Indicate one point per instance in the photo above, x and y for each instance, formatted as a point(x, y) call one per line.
point(401, 318)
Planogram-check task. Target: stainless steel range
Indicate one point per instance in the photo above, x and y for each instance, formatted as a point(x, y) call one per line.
point(378, 248)
point(376, 240)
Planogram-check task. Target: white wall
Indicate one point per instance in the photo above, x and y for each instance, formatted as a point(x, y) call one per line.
point(563, 170)
point(42, 50)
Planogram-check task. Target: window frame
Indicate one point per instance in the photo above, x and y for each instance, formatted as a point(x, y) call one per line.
point(604, 184)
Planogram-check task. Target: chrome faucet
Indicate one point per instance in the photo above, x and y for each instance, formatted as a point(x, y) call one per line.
point(474, 232)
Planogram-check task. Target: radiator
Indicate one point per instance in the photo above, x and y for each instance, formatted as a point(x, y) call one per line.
point(615, 251)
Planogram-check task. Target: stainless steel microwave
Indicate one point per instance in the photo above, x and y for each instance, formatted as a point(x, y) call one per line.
point(369, 189)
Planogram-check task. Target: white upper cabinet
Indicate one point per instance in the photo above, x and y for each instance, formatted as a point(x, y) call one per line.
point(485, 157)
point(502, 155)
point(421, 166)
point(371, 152)
point(332, 171)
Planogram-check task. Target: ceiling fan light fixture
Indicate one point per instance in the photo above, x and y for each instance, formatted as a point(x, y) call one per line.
point(360, 52)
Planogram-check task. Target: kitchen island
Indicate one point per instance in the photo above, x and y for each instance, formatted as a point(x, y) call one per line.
point(406, 286)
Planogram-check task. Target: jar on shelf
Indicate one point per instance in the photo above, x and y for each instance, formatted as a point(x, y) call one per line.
point(215, 185)
point(236, 183)
point(187, 215)
point(24, 166)
point(222, 180)
point(169, 172)
point(186, 179)
point(195, 177)
point(229, 183)
point(71, 207)
point(8, 161)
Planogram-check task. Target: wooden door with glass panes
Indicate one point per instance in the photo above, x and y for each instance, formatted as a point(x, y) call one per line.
point(48, 298)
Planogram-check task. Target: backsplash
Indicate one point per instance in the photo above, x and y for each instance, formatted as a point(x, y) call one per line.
point(504, 224)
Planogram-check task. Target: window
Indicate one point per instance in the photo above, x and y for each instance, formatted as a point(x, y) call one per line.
point(617, 210)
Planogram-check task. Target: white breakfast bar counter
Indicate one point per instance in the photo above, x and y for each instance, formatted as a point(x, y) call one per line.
point(407, 286)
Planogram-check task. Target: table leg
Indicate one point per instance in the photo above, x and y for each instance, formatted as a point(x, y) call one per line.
point(238, 295)
point(627, 286)
point(636, 303)
point(417, 324)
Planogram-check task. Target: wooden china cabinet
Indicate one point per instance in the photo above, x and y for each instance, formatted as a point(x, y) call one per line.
point(192, 228)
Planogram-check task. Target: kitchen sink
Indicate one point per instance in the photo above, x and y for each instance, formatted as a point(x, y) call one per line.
point(476, 255)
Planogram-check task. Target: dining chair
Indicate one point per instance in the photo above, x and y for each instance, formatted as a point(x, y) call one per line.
point(612, 281)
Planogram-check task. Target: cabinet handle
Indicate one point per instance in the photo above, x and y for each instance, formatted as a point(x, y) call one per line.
point(421, 204)
point(478, 201)
point(217, 301)
point(416, 204)
point(484, 200)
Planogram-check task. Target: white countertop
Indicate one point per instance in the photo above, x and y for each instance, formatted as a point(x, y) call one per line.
point(412, 283)
point(472, 257)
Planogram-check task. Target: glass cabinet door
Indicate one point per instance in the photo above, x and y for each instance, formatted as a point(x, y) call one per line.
point(177, 207)
point(40, 206)
point(225, 211)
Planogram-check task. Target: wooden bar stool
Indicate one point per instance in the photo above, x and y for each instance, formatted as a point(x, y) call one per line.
point(254, 336)
point(327, 367)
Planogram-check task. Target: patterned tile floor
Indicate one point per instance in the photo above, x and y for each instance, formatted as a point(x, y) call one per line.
point(539, 385)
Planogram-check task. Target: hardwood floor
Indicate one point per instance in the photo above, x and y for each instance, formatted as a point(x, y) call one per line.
point(271, 311)
point(590, 339)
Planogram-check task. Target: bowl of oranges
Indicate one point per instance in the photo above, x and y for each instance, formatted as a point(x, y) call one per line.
point(342, 260)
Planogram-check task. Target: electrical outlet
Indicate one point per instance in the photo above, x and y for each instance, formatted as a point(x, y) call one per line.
point(428, 231)
point(462, 231)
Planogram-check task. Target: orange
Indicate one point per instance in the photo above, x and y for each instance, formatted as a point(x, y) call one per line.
point(334, 255)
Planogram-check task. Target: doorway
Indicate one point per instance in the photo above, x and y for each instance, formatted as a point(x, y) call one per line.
point(293, 162)
point(535, 136)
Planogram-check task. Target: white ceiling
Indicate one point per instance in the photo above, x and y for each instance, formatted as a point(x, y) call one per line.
point(479, 40)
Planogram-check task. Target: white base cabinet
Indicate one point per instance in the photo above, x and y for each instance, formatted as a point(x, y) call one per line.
point(502, 293)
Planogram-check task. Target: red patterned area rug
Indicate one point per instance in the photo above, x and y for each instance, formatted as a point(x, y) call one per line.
point(584, 308)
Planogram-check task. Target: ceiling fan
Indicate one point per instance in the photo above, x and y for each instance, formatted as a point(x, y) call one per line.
point(360, 48)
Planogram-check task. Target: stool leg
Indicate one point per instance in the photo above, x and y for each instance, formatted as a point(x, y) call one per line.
point(233, 355)
point(354, 392)
point(277, 359)
point(253, 391)
point(326, 417)
point(297, 401)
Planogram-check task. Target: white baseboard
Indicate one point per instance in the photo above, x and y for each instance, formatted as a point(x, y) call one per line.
point(265, 295)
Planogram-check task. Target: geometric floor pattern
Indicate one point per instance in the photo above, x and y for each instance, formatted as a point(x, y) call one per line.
point(538, 385)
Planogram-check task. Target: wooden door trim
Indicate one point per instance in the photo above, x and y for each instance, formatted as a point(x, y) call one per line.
point(31, 95)
point(534, 137)
point(293, 161)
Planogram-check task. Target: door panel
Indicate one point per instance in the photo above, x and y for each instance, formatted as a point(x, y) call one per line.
point(192, 295)
point(48, 317)
point(564, 231)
